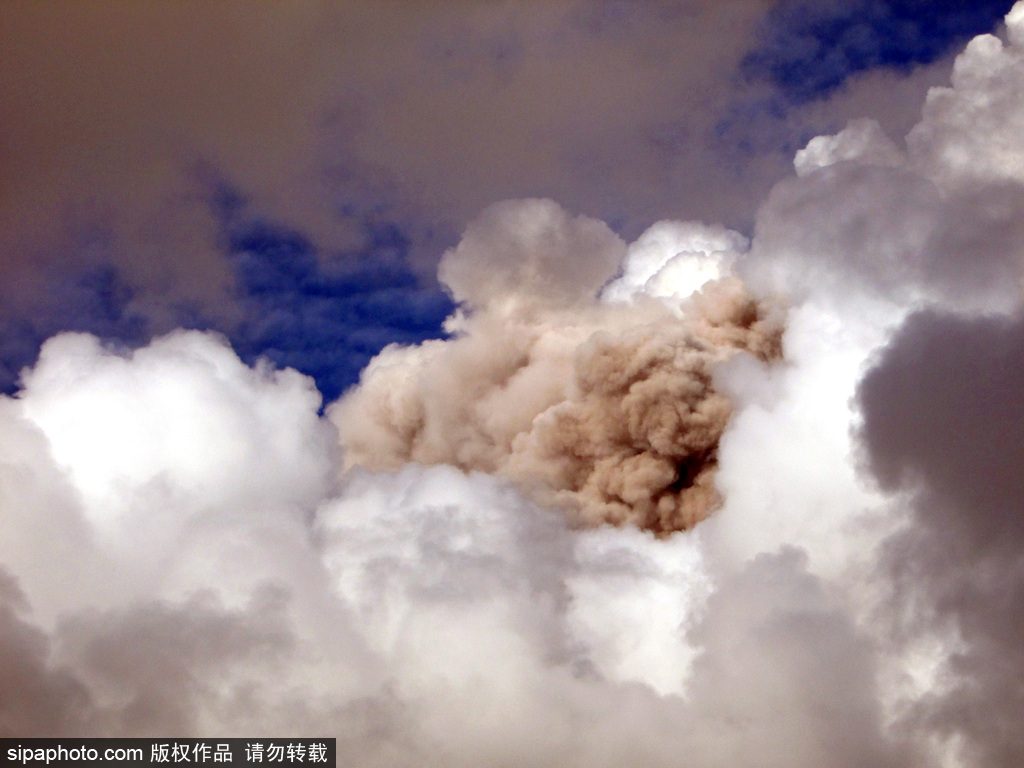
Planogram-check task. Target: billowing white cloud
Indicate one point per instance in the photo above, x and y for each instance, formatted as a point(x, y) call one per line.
point(673, 259)
point(182, 416)
point(939, 222)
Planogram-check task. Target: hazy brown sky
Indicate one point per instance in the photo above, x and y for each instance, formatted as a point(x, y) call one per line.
point(120, 117)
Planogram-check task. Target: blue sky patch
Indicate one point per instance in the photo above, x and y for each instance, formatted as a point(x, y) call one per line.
point(328, 317)
point(94, 300)
point(809, 48)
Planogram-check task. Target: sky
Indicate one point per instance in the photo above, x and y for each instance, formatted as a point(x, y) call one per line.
point(549, 383)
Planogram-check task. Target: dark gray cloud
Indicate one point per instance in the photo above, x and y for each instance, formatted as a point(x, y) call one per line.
point(156, 667)
point(944, 423)
point(778, 642)
point(38, 700)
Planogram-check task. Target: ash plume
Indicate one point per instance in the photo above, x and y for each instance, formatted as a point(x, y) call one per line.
point(607, 410)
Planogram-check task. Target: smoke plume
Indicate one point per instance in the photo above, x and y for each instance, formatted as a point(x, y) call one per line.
point(607, 409)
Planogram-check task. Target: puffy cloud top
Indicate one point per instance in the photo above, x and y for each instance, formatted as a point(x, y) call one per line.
point(531, 248)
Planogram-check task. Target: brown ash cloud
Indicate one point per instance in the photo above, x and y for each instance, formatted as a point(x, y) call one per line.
point(608, 411)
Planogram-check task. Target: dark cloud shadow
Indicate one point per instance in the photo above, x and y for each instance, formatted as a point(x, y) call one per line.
point(944, 423)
